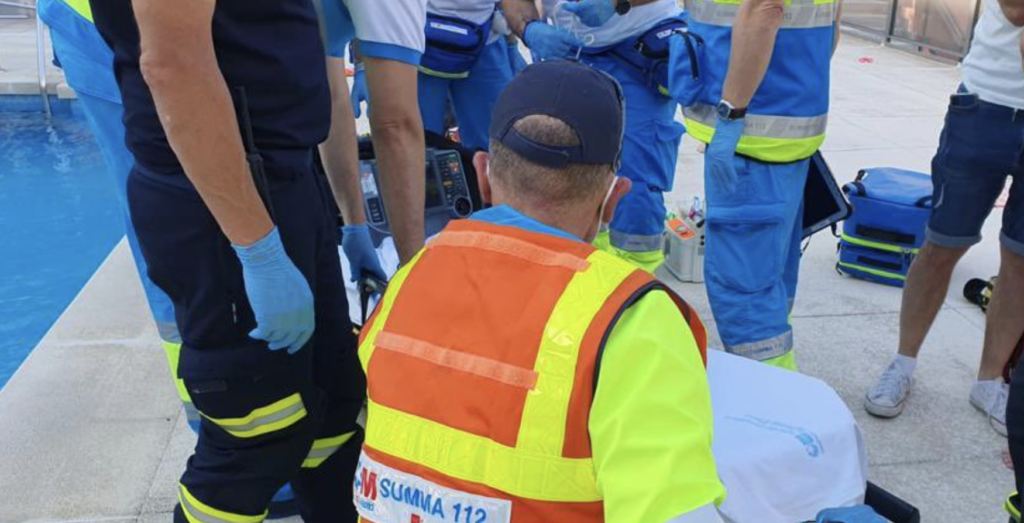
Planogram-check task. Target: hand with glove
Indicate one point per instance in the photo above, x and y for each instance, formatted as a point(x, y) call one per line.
point(720, 157)
point(279, 294)
point(360, 92)
point(361, 254)
point(549, 42)
point(593, 13)
point(856, 514)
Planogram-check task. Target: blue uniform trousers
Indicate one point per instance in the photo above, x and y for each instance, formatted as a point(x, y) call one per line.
point(649, 152)
point(753, 256)
point(473, 97)
point(105, 121)
point(267, 417)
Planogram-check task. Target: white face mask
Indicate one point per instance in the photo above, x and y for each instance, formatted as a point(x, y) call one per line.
point(602, 225)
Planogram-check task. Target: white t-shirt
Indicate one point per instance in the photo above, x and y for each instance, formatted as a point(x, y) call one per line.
point(619, 28)
point(476, 11)
point(993, 69)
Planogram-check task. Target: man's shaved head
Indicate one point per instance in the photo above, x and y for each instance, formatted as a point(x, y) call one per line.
point(533, 184)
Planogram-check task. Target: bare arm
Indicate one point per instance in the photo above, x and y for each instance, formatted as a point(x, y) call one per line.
point(1014, 11)
point(341, 150)
point(399, 144)
point(753, 41)
point(179, 64)
point(518, 13)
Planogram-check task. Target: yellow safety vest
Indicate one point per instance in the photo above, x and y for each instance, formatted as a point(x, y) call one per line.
point(81, 7)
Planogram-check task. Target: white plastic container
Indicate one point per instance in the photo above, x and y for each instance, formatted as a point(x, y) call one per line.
point(684, 249)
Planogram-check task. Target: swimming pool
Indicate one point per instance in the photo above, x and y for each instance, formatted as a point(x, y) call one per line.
point(59, 219)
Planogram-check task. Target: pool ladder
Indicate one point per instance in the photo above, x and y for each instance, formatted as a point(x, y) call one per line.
point(40, 52)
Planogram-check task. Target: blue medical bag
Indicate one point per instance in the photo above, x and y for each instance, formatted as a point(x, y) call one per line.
point(453, 45)
point(891, 208)
point(649, 59)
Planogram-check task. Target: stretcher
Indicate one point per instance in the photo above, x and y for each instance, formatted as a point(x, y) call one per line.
point(785, 444)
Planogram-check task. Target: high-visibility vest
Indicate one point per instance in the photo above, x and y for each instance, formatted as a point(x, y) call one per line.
point(481, 365)
point(81, 7)
point(787, 117)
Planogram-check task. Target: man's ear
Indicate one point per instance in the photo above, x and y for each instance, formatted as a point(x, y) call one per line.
point(480, 161)
point(622, 187)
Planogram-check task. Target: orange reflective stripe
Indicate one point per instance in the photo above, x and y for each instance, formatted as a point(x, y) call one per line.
point(461, 361)
point(369, 335)
point(511, 246)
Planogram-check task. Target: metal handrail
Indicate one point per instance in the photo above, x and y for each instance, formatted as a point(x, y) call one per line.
point(40, 52)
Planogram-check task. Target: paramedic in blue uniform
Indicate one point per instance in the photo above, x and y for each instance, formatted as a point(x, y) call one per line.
point(388, 41)
point(763, 112)
point(466, 61)
point(224, 105)
point(652, 136)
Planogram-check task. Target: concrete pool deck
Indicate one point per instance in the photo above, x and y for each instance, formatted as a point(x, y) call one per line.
point(91, 429)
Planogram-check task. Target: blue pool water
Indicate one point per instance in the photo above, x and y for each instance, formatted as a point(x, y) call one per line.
point(59, 219)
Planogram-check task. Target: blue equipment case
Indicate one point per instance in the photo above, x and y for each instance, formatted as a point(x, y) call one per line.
point(891, 208)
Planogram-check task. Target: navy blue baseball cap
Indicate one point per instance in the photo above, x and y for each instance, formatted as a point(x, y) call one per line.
point(588, 100)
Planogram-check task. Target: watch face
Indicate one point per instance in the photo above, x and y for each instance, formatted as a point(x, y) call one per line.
point(724, 111)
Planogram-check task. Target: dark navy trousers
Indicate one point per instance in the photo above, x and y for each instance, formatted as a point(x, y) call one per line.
point(267, 417)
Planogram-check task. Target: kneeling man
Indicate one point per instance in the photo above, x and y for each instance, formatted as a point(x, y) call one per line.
point(518, 375)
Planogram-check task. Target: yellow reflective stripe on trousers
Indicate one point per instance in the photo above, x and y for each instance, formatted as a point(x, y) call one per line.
point(173, 352)
point(81, 7)
point(798, 14)
point(366, 348)
point(1011, 508)
point(542, 429)
point(198, 512)
point(277, 416)
point(880, 246)
point(765, 149)
point(325, 448)
point(477, 459)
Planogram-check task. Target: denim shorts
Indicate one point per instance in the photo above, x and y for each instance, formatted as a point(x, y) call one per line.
point(981, 146)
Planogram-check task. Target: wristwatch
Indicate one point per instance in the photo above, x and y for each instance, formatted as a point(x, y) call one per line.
point(726, 111)
point(622, 7)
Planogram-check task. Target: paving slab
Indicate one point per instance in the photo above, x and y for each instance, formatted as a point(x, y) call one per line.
point(83, 424)
point(953, 490)
point(850, 352)
point(163, 491)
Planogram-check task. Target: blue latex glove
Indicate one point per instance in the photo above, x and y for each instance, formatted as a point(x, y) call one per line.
point(360, 92)
point(719, 166)
point(856, 514)
point(549, 42)
point(279, 294)
point(362, 256)
point(593, 13)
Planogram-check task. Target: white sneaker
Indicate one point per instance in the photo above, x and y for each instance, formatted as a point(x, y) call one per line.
point(889, 395)
point(990, 398)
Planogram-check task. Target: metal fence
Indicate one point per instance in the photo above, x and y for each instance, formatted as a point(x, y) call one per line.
point(935, 27)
